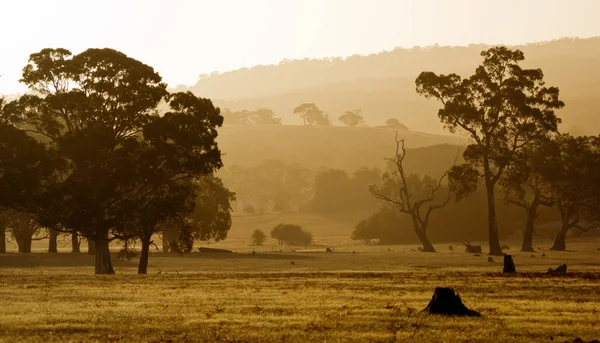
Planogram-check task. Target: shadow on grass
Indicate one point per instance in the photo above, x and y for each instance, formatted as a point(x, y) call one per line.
point(16, 260)
point(241, 256)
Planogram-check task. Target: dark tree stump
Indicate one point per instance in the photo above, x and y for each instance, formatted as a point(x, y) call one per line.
point(560, 270)
point(509, 265)
point(446, 302)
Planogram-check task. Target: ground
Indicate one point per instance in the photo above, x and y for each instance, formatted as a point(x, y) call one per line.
point(357, 293)
point(375, 294)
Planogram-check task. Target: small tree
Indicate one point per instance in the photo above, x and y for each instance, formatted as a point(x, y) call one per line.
point(502, 108)
point(236, 117)
point(395, 124)
point(258, 237)
point(351, 118)
point(312, 115)
point(410, 194)
point(264, 116)
point(291, 234)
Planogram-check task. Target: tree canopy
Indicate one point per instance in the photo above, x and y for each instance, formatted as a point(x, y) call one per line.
point(501, 108)
point(94, 117)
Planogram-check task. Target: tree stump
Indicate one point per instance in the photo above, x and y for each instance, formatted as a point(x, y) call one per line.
point(446, 302)
point(509, 265)
point(560, 270)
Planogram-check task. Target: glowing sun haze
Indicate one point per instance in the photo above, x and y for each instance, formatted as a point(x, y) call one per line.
point(182, 39)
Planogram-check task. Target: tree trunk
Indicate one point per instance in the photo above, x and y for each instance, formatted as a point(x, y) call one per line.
point(494, 240)
point(2, 239)
point(52, 244)
point(75, 242)
point(560, 240)
point(24, 244)
point(169, 240)
point(528, 234)
point(103, 261)
point(427, 246)
point(143, 265)
point(91, 247)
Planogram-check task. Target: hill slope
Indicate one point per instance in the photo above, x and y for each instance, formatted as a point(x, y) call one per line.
point(382, 85)
point(314, 147)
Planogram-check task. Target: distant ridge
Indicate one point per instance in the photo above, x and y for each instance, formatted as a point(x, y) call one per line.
point(382, 84)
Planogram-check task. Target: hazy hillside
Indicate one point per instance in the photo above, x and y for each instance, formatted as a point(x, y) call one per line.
point(382, 85)
point(331, 147)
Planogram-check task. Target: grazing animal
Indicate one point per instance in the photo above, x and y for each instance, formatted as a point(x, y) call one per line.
point(450, 248)
point(293, 263)
point(472, 248)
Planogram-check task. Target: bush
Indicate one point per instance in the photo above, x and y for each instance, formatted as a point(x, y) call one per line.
point(291, 235)
point(387, 226)
point(258, 237)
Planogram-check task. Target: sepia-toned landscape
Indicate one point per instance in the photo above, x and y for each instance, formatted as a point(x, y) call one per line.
point(300, 171)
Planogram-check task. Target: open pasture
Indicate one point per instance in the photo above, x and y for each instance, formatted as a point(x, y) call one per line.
point(373, 295)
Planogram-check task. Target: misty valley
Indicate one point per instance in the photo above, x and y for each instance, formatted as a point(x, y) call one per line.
point(441, 194)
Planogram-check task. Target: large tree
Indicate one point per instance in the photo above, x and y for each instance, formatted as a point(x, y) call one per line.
point(97, 110)
point(501, 109)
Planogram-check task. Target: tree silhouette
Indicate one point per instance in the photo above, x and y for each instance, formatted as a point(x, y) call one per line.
point(258, 237)
point(264, 116)
point(572, 165)
point(97, 113)
point(352, 118)
point(501, 108)
point(525, 184)
point(312, 115)
point(412, 194)
point(394, 123)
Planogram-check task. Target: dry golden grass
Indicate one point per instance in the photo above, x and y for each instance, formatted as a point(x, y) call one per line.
point(373, 295)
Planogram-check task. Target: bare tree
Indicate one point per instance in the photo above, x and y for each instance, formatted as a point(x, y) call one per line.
point(413, 195)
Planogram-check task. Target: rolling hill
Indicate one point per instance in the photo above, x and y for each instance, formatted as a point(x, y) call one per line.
point(332, 147)
point(382, 85)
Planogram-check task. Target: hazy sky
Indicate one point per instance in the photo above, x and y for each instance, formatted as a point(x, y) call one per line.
point(184, 38)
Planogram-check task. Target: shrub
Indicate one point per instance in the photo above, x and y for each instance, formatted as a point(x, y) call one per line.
point(291, 234)
point(258, 237)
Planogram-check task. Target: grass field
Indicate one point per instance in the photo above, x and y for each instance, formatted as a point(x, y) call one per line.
point(372, 295)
